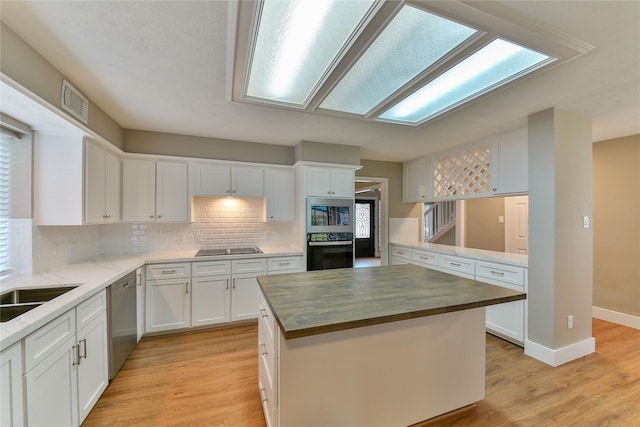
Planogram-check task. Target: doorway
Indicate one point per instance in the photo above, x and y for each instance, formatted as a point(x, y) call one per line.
point(365, 228)
point(373, 190)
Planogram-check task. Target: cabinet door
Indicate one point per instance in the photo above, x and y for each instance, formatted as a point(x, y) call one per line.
point(210, 300)
point(244, 297)
point(140, 302)
point(512, 163)
point(507, 320)
point(11, 400)
point(318, 182)
point(417, 182)
point(210, 179)
point(94, 190)
point(279, 192)
point(51, 389)
point(172, 192)
point(247, 181)
point(138, 190)
point(168, 305)
point(93, 370)
point(342, 183)
point(112, 187)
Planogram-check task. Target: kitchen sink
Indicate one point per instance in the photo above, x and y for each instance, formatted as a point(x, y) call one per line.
point(19, 301)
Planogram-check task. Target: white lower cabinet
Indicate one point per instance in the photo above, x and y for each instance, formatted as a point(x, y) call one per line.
point(267, 362)
point(280, 265)
point(424, 259)
point(168, 297)
point(66, 368)
point(11, 398)
point(245, 288)
point(400, 256)
point(211, 296)
point(458, 266)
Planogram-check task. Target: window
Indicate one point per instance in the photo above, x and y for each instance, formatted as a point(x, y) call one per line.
point(5, 208)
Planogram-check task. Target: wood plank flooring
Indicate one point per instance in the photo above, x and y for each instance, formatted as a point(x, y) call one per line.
point(209, 378)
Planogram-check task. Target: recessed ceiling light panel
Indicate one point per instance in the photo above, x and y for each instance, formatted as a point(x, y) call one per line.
point(412, 42)
point(296, 44)
point(495, 65)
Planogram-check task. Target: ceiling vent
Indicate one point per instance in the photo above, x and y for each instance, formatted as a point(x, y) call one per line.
point(74, 102)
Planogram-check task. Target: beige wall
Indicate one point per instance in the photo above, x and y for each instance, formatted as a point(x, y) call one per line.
point(392, 171)
point(28, 68)
point(483, 231)
point(560, 249)
point(136, 141)
point(616, 225)
point(327, 153)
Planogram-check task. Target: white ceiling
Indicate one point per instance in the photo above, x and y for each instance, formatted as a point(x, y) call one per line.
point(161, 66)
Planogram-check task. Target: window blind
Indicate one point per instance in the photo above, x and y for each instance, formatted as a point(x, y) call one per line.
point(5, 206)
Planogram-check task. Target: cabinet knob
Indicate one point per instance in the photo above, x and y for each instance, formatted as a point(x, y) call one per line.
point(159, 216)
point(228, 191)
point(151, 216)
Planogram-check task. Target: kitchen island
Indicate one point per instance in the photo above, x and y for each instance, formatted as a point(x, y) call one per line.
point(378, 346)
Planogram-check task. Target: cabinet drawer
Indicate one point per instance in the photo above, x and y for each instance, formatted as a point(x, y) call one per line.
point(266, 317)
point(455, 265)
point(88, 310)
point(266, 353)
point(211, 268)
point(256, 265)
point(500, 274)
point(267, 394)
point(168, 271)
point(43, 342)
point(284, 264)
point(401, 253)
point(425, 259)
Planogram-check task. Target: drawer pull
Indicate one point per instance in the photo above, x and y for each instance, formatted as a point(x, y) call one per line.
point(186, 287)
point(425, 257)
point(264, 352)
point(455, 264)
point(84, 352)
point(263, 395)
point(227, 284)
point(401, 253)
point(76, 353)
point(264, 312)
point(497, 273)
point(283, 264)
point(168, 271)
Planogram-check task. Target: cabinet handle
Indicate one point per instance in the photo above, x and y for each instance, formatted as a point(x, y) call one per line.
point(455, 264)
point(84, 350)
point(424, 257)
point(108, 216)
point(234, 192)
point(227, 284)
point(76, 351)
point(400, 252)
point(264, 312)
point(139, 279)
point(104, 217)
point(234, 283)
point(168, 271)
point(497, 273)
point(264, 347)
point(228, 191)
point(271, 217)
point(186, 287)
point(263, 395)
point(283, 264)
point(151, 216)
point(159, 216)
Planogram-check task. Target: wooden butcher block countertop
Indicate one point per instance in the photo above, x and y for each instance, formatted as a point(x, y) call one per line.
point(318, 302)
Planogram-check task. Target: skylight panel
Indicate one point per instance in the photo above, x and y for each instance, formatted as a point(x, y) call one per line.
point(496, 64)
point(412, 42)
point(297, 43)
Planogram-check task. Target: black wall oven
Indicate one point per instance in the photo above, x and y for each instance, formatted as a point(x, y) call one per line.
point(326, 251)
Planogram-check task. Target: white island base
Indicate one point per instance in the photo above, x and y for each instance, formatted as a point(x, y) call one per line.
point(391, 374)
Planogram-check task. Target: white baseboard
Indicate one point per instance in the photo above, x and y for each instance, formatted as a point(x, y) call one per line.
point(561, 355)
point(623, 319)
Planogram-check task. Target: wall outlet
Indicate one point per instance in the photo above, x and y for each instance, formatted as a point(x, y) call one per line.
point(500, 219)
point(570, 321)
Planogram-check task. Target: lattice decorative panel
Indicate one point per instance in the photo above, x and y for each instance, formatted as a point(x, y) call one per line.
point(464, 173)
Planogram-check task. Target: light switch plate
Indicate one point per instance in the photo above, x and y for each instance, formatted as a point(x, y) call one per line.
point(585, 223)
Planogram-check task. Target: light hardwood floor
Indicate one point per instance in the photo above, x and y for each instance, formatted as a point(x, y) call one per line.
point(209, 378)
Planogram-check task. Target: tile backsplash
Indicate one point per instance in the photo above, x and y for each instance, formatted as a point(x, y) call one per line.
point(217, 223)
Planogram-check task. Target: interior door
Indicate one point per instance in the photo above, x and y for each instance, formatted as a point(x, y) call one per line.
point(365, 228)
point(517, 224)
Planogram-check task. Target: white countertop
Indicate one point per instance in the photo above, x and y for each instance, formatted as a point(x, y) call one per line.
point(478, 254)
point(93, 275)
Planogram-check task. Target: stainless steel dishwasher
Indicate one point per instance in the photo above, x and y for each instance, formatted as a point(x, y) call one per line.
point(122, 321)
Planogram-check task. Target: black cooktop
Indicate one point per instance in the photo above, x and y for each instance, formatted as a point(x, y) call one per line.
point(228, 251)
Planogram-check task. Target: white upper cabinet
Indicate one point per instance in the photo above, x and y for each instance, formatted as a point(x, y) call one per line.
point(279, 194)
point(154, 191)
point(510, 163)
point(210, 179)
point(330, 182)
point(102, 185)
point(417, 181)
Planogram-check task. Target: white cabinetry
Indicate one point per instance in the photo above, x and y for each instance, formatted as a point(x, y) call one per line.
point(140, 302)
point(168, 297)
point(102, 185)
point(330, 182)
point(424, 259)
point(267, 359)
point(400, 256)
point(154, 191)
point(66, 367)
point(417, 181)
point(458, 266)
point(506, 320)
point(211, 179)
point(211, 296)
point(11, 398)
point(279, 265)
point(509, 163)
point(245, 288)
point(279, 194)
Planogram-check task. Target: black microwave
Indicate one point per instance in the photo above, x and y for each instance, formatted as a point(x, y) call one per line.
point(330, 216)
